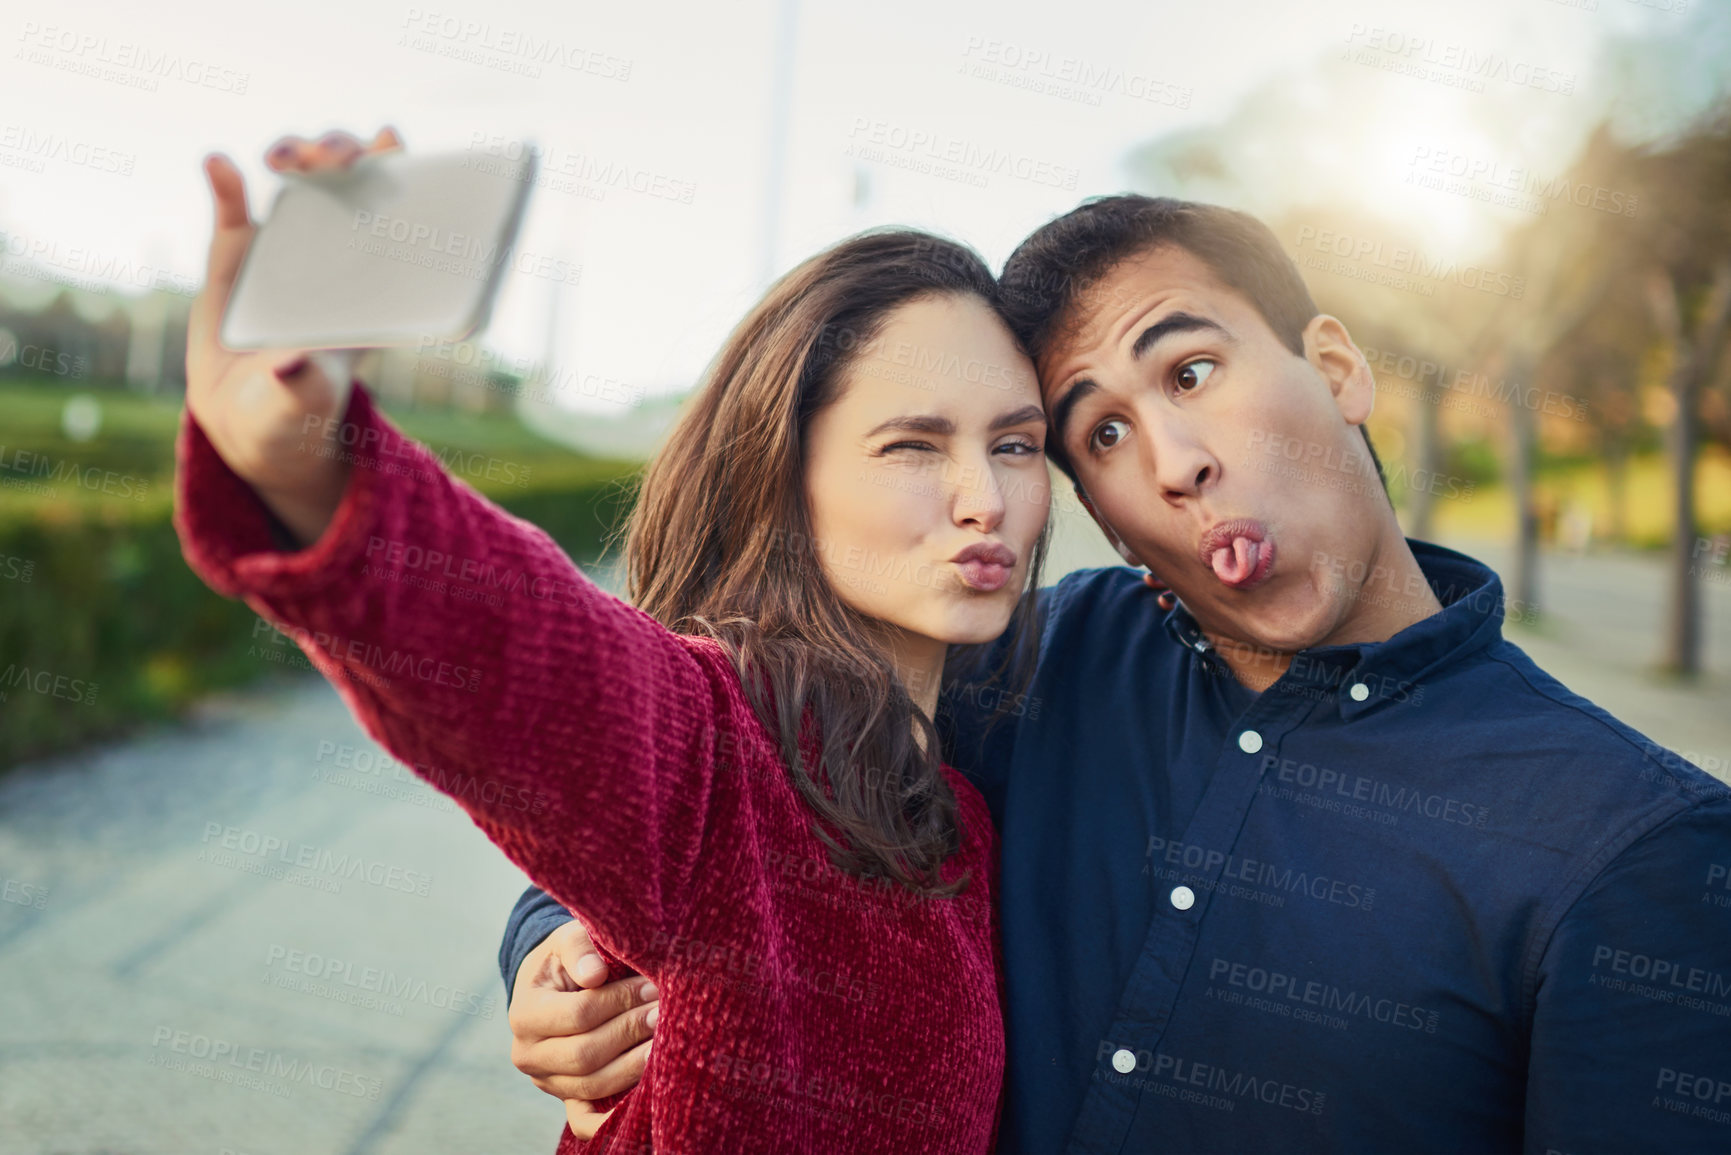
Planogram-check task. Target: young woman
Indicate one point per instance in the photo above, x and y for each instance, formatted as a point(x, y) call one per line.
point(857, 487)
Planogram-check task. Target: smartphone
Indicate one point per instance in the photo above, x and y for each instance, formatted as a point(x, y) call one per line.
point(394, 250)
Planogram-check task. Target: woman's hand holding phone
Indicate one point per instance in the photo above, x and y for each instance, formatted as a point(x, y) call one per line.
point(268, 413)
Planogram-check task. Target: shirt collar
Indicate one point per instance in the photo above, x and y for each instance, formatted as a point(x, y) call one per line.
point(1394, 670)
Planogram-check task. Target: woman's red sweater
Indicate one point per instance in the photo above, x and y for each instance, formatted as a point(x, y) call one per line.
point(621, 767)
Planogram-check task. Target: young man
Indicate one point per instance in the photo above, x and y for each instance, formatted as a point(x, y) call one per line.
point(1315, 860)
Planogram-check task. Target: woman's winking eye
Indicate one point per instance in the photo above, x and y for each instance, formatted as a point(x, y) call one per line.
point(1021, 447)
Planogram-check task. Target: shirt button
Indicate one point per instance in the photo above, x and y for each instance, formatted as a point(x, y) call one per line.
point(1123, 1061)
point(1183, 897)
point(1250, 741)
point(1359, 691)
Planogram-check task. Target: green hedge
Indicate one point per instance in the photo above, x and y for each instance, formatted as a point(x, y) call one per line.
point(103, 625)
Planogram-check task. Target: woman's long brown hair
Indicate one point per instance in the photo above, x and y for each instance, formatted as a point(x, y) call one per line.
point(720, 544)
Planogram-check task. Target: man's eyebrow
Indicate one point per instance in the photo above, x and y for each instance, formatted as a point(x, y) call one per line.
point(1170, 324)
point(922, 423)
point(1020, 416)
point(1061, 410)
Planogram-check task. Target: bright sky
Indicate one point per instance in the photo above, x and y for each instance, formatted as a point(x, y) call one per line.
point(678, 98)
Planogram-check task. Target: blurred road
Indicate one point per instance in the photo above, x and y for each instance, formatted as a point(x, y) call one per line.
point(233, 955)
point(254, 935)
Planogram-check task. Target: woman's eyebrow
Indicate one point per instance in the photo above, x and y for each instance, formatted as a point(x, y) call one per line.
point(943, 426)
point(920, 423)
point(1020, 416)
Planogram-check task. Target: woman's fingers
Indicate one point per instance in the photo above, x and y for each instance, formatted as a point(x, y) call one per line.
point(284, 154)
point(230, 235)
point(228, 189)
point(301, 375)
point(335, 149)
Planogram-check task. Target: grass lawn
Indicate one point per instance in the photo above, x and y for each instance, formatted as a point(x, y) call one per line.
point(494, 452)
point(1490, 512)
point(94, 591)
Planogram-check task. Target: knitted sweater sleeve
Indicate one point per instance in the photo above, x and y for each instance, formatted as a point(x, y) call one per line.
point(577, 732)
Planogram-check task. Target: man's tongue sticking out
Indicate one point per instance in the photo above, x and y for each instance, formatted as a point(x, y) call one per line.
point(1236, 561)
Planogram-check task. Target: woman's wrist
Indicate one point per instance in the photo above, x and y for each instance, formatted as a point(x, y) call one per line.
point(307, 513)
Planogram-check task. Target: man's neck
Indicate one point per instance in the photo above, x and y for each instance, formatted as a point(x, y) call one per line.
point(1394, 595)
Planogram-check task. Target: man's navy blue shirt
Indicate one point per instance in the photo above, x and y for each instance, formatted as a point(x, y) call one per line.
point(1416, 896)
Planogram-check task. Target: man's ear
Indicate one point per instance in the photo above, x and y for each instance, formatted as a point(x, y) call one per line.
point(1329, 349)
point(1111, 534)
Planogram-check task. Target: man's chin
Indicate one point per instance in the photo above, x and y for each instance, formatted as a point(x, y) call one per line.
point(1282, 621)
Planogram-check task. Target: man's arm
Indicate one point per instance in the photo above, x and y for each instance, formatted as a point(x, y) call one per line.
point(536, 915)
point(580, 1038)
point(1631, 1040)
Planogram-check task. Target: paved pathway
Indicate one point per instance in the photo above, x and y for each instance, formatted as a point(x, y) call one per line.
point(182, 990)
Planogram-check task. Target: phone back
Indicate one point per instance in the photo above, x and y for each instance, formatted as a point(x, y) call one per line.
point(392, 251)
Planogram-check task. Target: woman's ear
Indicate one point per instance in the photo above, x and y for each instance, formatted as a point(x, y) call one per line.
point(1111, 534)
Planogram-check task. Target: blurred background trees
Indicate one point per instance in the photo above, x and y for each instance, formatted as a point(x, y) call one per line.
point(1556, 353)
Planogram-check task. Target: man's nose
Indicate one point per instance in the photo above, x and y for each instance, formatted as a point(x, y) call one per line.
point(1182, 465)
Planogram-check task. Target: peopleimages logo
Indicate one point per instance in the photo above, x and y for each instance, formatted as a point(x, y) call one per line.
point(1253, 872)
point(47, 683)
point(1209, 1077)
point(1662, 972)
point(17, 464)
point(1359, 788)
point(1433, 375)
point(230, 1062)
point(1312, 993)
point(86, 53)
point(341, 980)
point(58, 147)
point(1455, 65)
point(885, 141)
point(1401, 260)
point(317, 860)
point(1066, 77)
point(1514, 186)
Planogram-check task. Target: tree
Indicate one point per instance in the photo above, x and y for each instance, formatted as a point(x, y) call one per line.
point(1684, 249)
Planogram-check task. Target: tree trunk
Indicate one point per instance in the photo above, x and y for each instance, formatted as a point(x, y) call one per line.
point(1523, 587)
point(1421, 503)
point(1616, 450)
point(1683, 619)
point(1694, 350)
